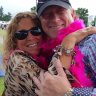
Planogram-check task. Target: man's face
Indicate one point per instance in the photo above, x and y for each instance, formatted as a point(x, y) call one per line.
point(55, 18)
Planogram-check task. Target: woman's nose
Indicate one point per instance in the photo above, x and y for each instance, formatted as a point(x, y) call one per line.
point(30, 36)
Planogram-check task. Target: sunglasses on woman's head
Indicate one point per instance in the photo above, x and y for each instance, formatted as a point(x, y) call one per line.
point(22, 34)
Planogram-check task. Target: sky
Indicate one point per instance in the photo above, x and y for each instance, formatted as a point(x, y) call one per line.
point(15, 6)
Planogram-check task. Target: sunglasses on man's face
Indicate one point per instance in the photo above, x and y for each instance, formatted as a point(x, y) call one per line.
point(22, 34)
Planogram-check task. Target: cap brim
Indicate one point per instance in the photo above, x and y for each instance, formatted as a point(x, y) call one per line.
point(51, 3)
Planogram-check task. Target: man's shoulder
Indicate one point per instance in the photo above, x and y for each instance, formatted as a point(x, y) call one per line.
point(91, 39)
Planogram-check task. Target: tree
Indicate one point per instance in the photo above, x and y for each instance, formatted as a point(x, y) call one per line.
point(1, 12)
point(33, 9)
point(83, 14)
point(7, 17)
point(4, 17)
point(94, 22)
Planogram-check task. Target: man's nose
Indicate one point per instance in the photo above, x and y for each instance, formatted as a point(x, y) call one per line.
point(55, 17)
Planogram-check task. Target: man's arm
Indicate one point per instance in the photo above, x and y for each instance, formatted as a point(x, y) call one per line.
point(88, 48)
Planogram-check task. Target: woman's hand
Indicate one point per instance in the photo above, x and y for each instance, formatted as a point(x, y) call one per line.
point(52, 85)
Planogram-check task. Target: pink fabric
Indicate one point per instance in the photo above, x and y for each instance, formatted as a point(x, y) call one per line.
point(41, 60)
point(78, 68)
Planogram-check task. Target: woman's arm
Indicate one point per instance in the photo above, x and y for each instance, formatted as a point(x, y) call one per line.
point(58, 85)
point(75, 37)
point(70, 41)
point(19, 73)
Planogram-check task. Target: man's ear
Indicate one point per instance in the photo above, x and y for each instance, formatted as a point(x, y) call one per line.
point(73, 13)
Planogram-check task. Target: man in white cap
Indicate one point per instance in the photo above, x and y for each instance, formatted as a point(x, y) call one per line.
point(55, 15)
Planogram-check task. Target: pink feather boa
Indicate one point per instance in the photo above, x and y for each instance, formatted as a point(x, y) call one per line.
point(76, 69)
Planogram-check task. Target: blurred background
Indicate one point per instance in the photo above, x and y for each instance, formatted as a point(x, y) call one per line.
point(85, 9)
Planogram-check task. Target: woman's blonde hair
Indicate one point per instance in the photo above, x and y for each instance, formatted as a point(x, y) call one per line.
point(10, 41)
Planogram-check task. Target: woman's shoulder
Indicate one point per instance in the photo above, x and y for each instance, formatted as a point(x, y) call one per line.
point(20, 56)
point(89, 40)
point(19, 53)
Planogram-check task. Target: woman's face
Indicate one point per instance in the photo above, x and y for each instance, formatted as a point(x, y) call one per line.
point(31, 43)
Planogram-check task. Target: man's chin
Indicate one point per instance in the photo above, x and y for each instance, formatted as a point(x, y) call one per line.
point(53, 36)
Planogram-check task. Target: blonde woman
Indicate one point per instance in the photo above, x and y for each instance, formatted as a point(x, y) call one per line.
point(21, 48)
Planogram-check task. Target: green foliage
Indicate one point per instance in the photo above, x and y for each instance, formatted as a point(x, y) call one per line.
point(94, 22)
point(2, 35)
point(83, 14)
point(33, 9)
point(1, 12)
point(1, 85)
point(4, 17)
point(1, 48)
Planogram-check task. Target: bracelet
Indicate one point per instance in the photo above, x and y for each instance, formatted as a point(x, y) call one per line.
point(69, 93)
point(68, 52)
point(65, 51)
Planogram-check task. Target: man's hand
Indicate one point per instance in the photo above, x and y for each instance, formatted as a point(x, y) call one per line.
point(52, 85)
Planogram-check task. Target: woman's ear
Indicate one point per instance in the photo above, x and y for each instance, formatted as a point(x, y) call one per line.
point(73, 13)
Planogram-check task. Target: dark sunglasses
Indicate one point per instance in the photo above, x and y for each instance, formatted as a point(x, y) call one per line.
point(22, 34)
